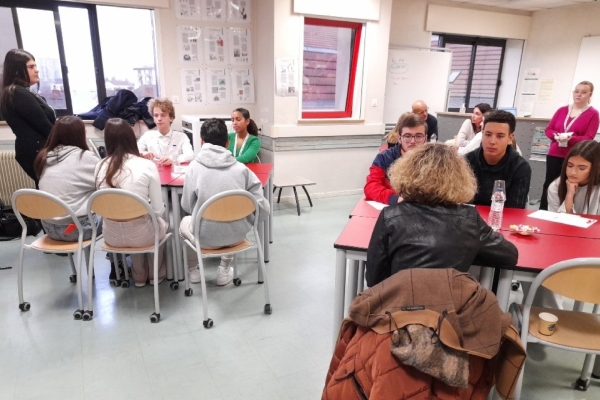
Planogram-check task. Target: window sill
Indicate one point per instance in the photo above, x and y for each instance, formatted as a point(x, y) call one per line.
point(329, 121)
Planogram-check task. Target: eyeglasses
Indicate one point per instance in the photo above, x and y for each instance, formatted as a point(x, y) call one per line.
point(417, 138)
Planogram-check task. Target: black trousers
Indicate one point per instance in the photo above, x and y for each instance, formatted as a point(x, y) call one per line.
point(553, 168)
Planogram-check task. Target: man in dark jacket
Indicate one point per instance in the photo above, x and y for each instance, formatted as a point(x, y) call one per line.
point(497, 160)
point(420, 108)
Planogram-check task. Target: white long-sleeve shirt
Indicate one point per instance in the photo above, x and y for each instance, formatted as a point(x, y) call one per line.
point(175, 145)
point(138, 175)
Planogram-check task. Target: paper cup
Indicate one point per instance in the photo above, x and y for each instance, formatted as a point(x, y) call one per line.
point(547, 323)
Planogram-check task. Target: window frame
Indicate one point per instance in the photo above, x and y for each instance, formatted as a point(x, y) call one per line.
point(475, 41)
point(356, 51)
point(52, 5)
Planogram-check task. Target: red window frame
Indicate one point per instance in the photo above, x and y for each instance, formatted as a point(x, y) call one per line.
point(347, 113)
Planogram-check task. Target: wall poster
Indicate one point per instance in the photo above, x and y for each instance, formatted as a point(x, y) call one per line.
point(242, 84)
point(188, 38)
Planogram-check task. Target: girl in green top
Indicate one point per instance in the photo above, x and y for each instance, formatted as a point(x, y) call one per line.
point(244, 144)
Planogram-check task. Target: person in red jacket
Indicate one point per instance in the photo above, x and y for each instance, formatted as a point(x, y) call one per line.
point(413, 133)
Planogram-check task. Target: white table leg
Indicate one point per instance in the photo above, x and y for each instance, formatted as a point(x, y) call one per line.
point(178, 270)
point(503, 292)
point(338, 292)
point(486, 277)
point(352, 285)
point(361, 277)
point(270, 191)
point(170, 261)
point(263, 228)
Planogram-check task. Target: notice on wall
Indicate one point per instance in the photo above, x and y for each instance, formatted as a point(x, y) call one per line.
point(218, 86)
point(215, 10)
point(188, 9)
point(286, 75)
point(214, 45)
point(546, 91)
point(239, 10)
point(240, 50)
point(189, 44)
point(242, 83)
point(192, 86)
point(529, 91)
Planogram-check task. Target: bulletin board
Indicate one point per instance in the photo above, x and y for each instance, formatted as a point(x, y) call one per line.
point(414, 74)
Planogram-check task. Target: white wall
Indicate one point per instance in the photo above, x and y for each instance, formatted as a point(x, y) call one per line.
point(553, 47)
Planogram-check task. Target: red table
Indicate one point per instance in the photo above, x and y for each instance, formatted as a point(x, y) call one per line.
point(364, 209)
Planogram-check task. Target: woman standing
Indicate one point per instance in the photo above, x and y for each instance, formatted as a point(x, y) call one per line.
point(569, 125)
point(472, 126)
point(26, 113)
point(124, 168)
point(244, 144)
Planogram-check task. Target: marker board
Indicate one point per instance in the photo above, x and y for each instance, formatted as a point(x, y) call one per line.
point(414, 74)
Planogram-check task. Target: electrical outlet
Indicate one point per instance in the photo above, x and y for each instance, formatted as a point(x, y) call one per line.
point(373, 102)
point(175, 99)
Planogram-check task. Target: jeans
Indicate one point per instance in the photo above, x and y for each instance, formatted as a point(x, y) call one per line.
point(57, 231)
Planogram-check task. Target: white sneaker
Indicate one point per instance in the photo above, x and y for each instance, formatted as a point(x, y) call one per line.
point(194, 274)
point(224, 275)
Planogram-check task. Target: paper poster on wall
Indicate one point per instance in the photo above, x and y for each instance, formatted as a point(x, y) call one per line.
point(215, 10)
point(286, 75)
point(546, 92)
point(188, 9)
point(218, 87)
point(188, 38)
point(239, 10)
point(242, 83)
point(240, 50)
point(215, 42)
point(192, 86)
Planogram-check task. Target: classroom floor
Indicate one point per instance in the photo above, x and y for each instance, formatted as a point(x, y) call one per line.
point(45, 354)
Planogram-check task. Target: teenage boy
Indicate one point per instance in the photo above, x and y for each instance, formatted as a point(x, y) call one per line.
point(215, 170)
point(496, 159)
point(413, 133)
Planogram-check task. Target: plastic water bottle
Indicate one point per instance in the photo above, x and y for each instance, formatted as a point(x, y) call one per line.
point(433, 138)
point(497, 208)
point(463, 108)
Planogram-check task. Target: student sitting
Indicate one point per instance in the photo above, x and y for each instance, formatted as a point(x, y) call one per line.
point(164, 144)
point(412, 132)
point(497, 160)
point(430, 227)
point(577, 190)
point(124, 168)
point(65, 167)
point(244, 143)
point(213, 171)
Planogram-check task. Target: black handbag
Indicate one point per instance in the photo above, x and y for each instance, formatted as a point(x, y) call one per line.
point(10, 228)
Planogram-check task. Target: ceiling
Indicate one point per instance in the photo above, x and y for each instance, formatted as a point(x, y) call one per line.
point(526, 5)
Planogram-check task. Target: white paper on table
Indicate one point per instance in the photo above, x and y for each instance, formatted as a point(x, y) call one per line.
point(563, 218)
point(377, 205)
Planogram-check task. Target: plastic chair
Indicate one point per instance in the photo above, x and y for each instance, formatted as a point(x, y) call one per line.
point(231, 205)
point(119, 204)
point(41, 205)
point(578, 279)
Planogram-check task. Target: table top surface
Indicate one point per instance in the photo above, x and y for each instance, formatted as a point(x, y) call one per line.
point(169, 178)
point(364, 209)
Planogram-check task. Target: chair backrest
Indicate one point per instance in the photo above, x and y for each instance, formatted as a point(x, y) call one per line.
point(39, 205)
point(228, 206)
point(94, 148)
point(118, 204)
point(578, 279)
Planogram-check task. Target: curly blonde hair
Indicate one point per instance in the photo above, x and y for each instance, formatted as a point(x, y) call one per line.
point(433, 174)
point(163, 104)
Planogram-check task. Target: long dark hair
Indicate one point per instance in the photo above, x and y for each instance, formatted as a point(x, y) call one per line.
point(14, 74)
point(252, 128)
point(67, 131)
point(120, 141)
point(483, 108)
point(589, 150)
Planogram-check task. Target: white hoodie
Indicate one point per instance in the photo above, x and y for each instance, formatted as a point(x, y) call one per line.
point(213, 171)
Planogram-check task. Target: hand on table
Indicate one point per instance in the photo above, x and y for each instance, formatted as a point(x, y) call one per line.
point(165, 161)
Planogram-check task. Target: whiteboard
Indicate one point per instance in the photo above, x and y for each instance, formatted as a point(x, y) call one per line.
point(414, 74)
point(588, 62)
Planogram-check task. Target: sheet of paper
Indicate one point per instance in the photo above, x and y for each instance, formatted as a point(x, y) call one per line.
point(285, 75)
point(218, 86)
point(192, 86)
point(563, 218)
point(376, 205)
point(239, 10)
point(242, 84)
point(189, 44)
point(215, 10)
point(188, 9)
point(240, 51)
point(215, 43)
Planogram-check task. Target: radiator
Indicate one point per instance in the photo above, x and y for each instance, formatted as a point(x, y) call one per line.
point(12, 177)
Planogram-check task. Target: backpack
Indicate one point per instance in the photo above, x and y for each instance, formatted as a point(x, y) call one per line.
point(10, 228)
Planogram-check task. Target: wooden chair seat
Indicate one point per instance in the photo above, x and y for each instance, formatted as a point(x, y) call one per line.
point(45, 243)
point(226, 250)
point(113, 249)
point(578, 330)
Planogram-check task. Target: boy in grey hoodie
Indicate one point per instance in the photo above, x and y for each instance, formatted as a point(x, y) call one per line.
point(215, 170)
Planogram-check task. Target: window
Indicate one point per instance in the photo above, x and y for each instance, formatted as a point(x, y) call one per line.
point(331, 52)
point(476, 69)
point(80, 51)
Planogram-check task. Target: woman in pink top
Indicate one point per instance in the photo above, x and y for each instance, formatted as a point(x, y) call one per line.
point(569, 126)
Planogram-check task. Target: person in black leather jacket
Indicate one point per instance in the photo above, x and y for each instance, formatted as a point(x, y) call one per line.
point(431, 228)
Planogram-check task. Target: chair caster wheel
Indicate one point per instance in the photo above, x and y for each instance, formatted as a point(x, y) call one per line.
point(174, 285)
point(260, 282)
point(208, 323)
point(77, 315)
point(124, 284)
point(514, 286)
point(154, 318)
point(73, 278)
point(88, 315)
point(595, 376)
point(237, 281)
point(188, 292)
point(115, 282)
point(268, 309)
point(581, 384)
point(25, 306)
